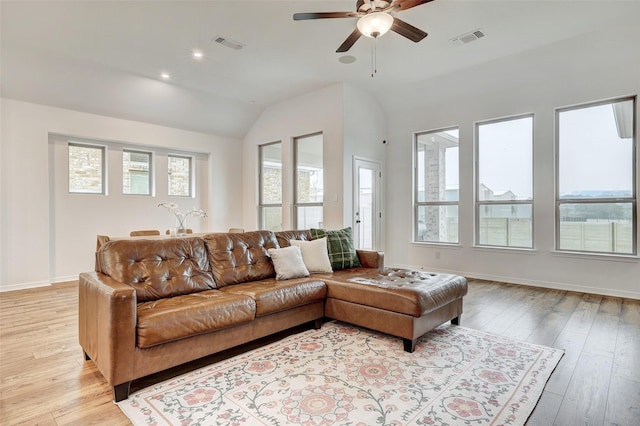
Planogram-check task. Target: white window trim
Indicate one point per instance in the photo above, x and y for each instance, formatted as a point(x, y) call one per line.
point(261, 204)
point(192, 189)
point(634, 196)
point(476, 184)
point(296, 203)
point(105, 151)
point(151, 171)
point(417, 204)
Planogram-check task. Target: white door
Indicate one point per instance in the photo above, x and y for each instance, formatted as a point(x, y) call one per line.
point(367, 178)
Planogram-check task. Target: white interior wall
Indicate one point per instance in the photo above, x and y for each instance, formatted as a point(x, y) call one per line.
point(365, 129)
point(71, 235)
point(41, 245)
point(595, 67)
point(352, 124)
point(318, 111)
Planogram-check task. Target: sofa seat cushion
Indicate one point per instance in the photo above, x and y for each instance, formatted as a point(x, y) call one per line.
point(404, 291)
point(157, 268)
point(274, 296)
point(166, 320)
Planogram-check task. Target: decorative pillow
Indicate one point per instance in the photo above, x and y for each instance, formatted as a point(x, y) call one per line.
point(314, 254)
point(342, 252)
point(288, 263)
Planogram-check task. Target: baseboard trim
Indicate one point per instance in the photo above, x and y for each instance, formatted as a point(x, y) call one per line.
point(534, 283)
point(24, 286)
point(64, 279)
point(36, 284)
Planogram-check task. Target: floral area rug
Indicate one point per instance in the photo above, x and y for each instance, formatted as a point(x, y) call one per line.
point(345, 375)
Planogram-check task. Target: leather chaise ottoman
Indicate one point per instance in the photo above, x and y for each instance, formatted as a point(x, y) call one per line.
point(402, 302)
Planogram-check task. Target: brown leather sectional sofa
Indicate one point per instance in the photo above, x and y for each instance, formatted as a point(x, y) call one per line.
point(153, 304)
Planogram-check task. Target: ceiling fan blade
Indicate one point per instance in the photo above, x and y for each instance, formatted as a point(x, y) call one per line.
point(407, 4)
point(407, 30)
point(350, 41)
point(322, 15)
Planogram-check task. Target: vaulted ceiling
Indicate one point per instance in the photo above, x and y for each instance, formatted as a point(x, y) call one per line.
point(105, 57)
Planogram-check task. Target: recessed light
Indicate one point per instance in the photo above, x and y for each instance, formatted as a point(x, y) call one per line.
point(165, 76)
point(347, 59)
point(197, 54)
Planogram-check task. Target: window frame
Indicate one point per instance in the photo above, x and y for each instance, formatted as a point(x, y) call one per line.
point(478, 203)
point(191, 175)
point(296, 203)
point(151, 156)
point(633, 199)
point(261, 204)
point(418, 204)
point(103, 172)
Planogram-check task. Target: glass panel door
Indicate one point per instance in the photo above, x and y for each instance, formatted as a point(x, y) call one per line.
point(367, 213)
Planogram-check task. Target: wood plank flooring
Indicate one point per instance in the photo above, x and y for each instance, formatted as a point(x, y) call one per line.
point(44, 379)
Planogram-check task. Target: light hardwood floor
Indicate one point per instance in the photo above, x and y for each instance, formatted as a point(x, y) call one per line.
point(45, 380)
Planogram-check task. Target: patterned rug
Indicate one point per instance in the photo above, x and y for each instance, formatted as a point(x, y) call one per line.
point(346, 375)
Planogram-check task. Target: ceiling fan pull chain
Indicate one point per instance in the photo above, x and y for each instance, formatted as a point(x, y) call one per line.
point(374, 58)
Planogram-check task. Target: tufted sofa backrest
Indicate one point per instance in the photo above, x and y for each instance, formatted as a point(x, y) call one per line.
point(242, 257)
point(157, 268)
point(284, 237)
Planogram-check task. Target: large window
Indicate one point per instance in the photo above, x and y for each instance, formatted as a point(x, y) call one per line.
point(86, 168)
point(596, 206)
point(270, 205)
point(504, 182)
point(136, 172)
point(309, 184)
point(436, 186)
point(180, 176)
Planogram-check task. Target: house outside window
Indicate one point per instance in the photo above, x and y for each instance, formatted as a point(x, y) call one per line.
point(180, 176)
point(436, 192)
point(309, 181)
point(86, 168)
point(596, 198)
point(270, 202)
point(136, 172)
point(504, 182)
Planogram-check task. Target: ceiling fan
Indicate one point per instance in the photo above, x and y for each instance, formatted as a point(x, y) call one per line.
point(375, 19)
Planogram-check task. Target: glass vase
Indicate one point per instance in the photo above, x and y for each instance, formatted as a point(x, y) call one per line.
point(181, 226)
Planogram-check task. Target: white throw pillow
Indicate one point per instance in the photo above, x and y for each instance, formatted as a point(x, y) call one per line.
point(288, 263)
point(314, 254)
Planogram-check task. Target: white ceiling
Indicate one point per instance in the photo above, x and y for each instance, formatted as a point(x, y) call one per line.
point(105, 57)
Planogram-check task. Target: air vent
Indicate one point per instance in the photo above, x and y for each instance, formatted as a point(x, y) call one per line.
point(228, 42)
point(468, 37)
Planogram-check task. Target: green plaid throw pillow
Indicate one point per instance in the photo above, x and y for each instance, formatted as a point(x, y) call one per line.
point(342, 252)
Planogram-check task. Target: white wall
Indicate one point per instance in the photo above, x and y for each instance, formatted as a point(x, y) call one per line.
point(365, 129)
point(47, 236)
point(319, 111)
point(595, 67)
point(352, 124)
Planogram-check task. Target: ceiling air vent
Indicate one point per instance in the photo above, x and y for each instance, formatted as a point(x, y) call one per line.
point(468, 37)
point(228, 42)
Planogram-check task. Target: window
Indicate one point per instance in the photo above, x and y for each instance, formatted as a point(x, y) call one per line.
point(86, 169)
point(596, 205)
point(436, 186)
point(504, 182)
point(270, 203)
point(180, 176)
point(308, 181)
point(136, 172)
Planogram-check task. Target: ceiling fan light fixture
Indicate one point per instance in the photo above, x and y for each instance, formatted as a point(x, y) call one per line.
point(375, 24)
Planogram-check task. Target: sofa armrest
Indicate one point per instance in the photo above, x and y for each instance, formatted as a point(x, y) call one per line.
point(371, 259)
point(107, 325)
